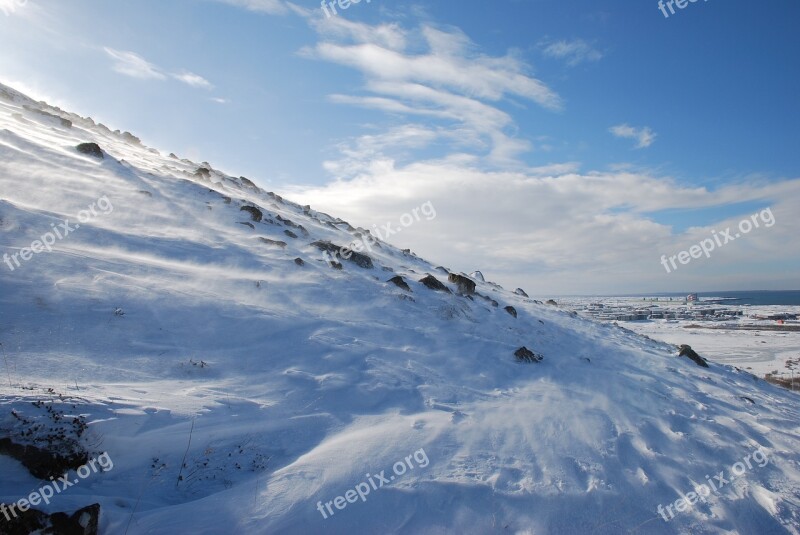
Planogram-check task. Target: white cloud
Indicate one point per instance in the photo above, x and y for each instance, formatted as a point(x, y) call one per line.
point(644, 136)
point(271, 7)
point(574, 52)
point(134, 65)
point(554, 229)
point(194, 80)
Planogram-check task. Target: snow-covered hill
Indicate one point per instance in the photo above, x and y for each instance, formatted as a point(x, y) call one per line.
point(241, 383)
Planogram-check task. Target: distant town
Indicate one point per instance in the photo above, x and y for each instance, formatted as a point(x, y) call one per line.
point(690, 308)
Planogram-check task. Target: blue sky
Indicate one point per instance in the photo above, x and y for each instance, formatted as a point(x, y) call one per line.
point(566, 145)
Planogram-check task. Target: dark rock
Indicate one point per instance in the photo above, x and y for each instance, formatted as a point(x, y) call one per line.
point(489, 300)
point(465, 285)
point(551, 302)
point(91, 149)
point(290, 233)
point(299, 262)
point(520, 291)
point(247, 183)
point(255, 214)
point(82, 522)
point(66, 123)
point(276, 197)
point(145, 192)
point(434, 284)
point(443, 270)
point(688, 352)
point(337, 265)
point(173, 156)
point(203, 172)
point(130, 138)
point(42, 463)
point(226, 199)
point(400, 283)
point(287, 222)
point(511, 310)
point(292, 224)
point(247, 223)
point(387, 268)
point(359, 259)
point(748, 399)
point(276, 243)
point(524, 354)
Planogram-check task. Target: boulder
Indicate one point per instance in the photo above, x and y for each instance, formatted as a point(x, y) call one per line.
point(464, 284)
point(524, 354)
point(488, 299)
point(688, 352)
point(82, 522)
point(400, 283)
point(511, 310)
point(247, 183)
point(43, 463)
point(359, 259)
point(434, 284)
point(520, 291)
point(91, 149)
point(275, 243)
point(255, 214)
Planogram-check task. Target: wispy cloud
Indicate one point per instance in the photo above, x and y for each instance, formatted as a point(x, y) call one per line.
point(573, 52)
point(644, 136)
point(271, 7)
point(192, 79)
point(133, 65)
point(437, 74)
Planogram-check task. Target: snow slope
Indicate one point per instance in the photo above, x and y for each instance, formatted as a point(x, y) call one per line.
point(314, 380)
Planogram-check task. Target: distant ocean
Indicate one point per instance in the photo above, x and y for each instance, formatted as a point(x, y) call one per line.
point(758, 297)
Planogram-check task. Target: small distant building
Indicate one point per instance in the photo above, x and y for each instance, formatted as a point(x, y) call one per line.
point(692, 298)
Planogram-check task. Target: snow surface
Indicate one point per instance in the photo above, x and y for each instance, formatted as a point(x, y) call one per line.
point(312, 377)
